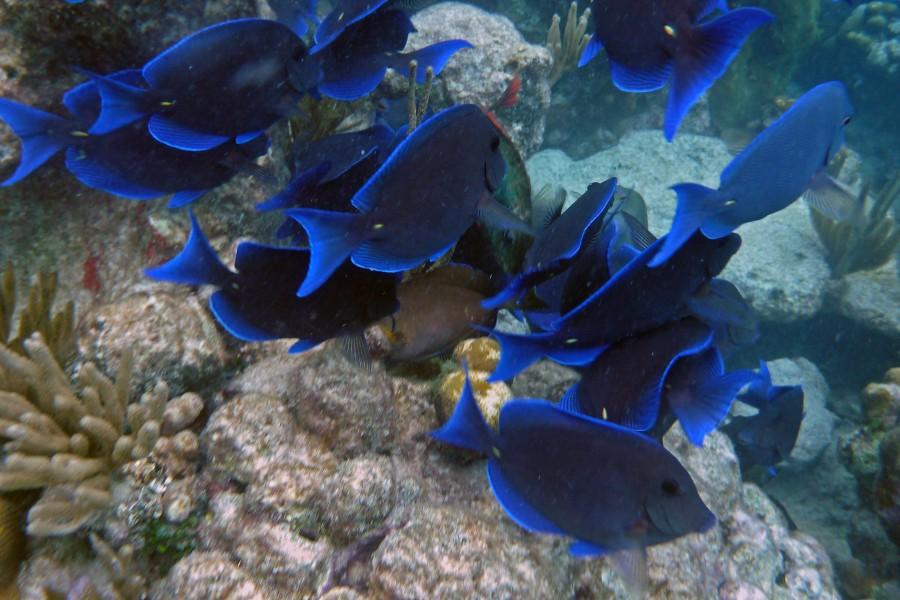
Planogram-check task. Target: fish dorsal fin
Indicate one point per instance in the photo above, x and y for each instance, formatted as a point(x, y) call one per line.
point(517, 507)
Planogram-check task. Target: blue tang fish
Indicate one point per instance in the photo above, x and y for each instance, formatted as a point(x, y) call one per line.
point(787, 159)
point(613, 490)
point(636, 299)
point(344, 14)
point(127, 162)
point(259, 302)
point(356, 61)
point(652, 42)
point(432, 188)
point(229, 81)
point(558, 244)
point(767, 438)
point(296, 14)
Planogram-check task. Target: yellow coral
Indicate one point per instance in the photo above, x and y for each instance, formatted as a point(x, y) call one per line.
point(69, 444)
point(490, 396)
point(479, 354)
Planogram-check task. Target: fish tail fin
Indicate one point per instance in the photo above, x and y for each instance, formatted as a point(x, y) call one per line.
point(120, 104)
point(512, 291)
point(196, 264)
point(710, 404)
point(434, 56)
point(695, 204)
point(466, 427)
point(333, 236)
point(592, 49)
point(517, 353)
point(42, 135)
point(703, 56)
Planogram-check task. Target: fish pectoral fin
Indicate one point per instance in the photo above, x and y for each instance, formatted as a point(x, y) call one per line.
point(583, 549)
point(631, 565)
point(355, 349)
point(834, 200)
point(173, 134)
point(494, 214)
point(518, 509)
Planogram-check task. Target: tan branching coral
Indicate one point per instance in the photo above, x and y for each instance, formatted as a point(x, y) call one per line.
point(566, 47)
point(70, 444)
point(58, 329)
point(868, 243)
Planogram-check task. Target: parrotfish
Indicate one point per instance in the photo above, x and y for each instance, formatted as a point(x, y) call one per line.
point(613, 490)
point(560, 242)
point(768, 437)
point(127, 162)
point(432, 188)
point(230, 81)
point(436, 311)
point(787, 159)
point(355, 62)
point(260, 303)
point(636, 299)
point(652, 42)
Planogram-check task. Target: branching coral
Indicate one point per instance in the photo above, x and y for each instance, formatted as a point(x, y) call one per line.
point(566, 48)
point(58, 329)
point(871, 241)
point(70, 444)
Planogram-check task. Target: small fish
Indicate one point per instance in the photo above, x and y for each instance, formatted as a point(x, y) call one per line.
point(767, 437)
point(437, 310)
point(355, 62)
point(259, 302)
point(127, 162)
point(654, 42)
point(560, 242)
point(230, 81)
point(787, 159)
point(635, 299)
point(432, 188)
point(613, 490)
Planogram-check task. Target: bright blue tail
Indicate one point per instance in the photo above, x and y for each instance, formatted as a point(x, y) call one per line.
point(710, 403)
point(196, 264)
point(42, 135)
point(695, 204)
point(333, 236)
point(704, 56)
point(517, 353)
point(120, 104)
point(466, 427)
point(434, 56)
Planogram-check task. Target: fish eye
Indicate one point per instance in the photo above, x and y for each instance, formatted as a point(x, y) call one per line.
point(670, 487)
point(847, 120)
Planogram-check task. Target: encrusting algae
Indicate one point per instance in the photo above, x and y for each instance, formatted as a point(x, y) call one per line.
point(69, 443)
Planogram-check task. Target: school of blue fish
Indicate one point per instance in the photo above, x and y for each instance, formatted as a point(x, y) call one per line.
point(374, 221)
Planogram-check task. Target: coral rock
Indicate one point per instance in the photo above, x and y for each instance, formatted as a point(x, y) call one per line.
point(490, 396)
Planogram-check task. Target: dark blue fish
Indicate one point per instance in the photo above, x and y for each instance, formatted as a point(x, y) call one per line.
point(296, 14)
point(612, 489)
point(356, 61)
point(229, 81)
point(652, 42)
point(344, 14)
point(636, 299)
point(259, 302)
point(432, 188)
point(767, 437)
point(127, 162)
point(559, 244)
point(787, 159)
point(722, 306)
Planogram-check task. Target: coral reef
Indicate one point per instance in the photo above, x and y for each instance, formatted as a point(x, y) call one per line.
point(57, 329)
point(868, 243)
point(566, 47)
point(69, 444)
point(480, 357)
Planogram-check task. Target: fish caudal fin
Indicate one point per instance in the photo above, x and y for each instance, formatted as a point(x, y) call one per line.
point(514, 289)
point(196, 264)
point(466, 427)
point(120, 104)
point(702, 56)
point(434, 56)
point(332, 239)
point(42, 135)
point(709, 404)
point(517, 353)
point(695, 204)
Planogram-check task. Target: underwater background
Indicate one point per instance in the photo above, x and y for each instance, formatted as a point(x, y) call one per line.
point(151, 453)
